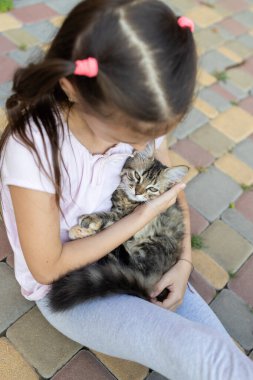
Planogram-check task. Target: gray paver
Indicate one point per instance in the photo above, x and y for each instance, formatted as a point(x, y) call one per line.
point(44, 347)
point(234, 90)
point(5, 91)
point(43, 30)
point(24, 57)
point(245, 18)
point(210, 193)
point(214, 61)
point(228, 248)
point(194, 120)
point(62, 7)
point(214, 99)
point(238, 222)
point(13, 304)
point(244, 151)
point(232, 310)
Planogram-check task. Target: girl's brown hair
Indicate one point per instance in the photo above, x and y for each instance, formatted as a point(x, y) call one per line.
point(147, 72)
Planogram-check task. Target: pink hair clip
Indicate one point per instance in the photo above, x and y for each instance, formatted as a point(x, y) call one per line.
point(186, 22)
point(87, 67)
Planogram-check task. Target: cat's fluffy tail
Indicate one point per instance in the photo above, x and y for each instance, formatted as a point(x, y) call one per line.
point(97, 280)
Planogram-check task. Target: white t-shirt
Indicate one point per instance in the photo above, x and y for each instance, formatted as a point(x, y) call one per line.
point(92, 180)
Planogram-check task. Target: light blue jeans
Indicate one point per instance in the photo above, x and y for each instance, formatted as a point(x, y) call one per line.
point(188, 344)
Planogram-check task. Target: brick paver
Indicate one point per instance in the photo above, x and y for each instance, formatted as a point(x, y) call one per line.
point(215, 140)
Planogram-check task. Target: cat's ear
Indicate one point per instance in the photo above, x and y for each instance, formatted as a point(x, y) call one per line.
point(175, 174)
point(147, 153)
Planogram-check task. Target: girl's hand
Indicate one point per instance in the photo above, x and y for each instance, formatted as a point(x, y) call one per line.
point(160, 204)
point(176, 281)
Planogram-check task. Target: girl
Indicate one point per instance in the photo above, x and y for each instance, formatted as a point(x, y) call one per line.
point(118, 74)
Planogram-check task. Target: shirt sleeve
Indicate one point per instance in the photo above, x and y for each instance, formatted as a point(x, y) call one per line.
point(20, 165)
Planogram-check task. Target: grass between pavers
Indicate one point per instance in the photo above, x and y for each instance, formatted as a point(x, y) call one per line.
point(197, 242)
point(6, 5)
point(221, 76)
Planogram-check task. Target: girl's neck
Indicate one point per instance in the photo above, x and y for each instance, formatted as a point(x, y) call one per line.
point(83, 133)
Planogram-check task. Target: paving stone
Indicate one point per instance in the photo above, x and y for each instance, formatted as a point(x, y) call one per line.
point(7, 22)
point(176, 159)
point(238, 222)
point(33, 13)
point(123, 369)
point(205, 108)
point(194, 120)
point(233, 26)
point(193, 153)
point(13, 366)
point(57, 21)
point(203, 287)
point(6, 45)
point(3, 120)
point(204, 16)
point(44, 31)
point(5, 91)
point(241, 78)
point(230, 54)
point(212, 140)
point(245, 18)
point(62, 7)
point(5, 248)
point(23, 3)
point(244, 151)
point(236, 317)
point(21, 37)
point(10, 260)
point(198, 223)
point(13, 304)
point(211, 204)
point(245, 205)
point(8, 67)
point(222, 92)
point(44, 347)
point(209, 269)
point(247, 104)
point(234, 5)
point(241, 284)
point(84, 366)
point(229, 249)
point(235, 168)
point(235, 123)
point(238, 93)
point(248, 66)
point(183, 5)
point(156, 376)
point(207, 39)
point(215, 61)
point(204, 78)
point(239, 48)
point(214, 99)
point(33, 54)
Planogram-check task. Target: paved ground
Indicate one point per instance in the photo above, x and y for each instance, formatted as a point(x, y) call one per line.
point(216, 140)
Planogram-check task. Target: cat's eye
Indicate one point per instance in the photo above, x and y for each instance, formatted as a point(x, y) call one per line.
point(137, 176)
point(153, 189)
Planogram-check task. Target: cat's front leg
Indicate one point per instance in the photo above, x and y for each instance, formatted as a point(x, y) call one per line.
point(89, 224)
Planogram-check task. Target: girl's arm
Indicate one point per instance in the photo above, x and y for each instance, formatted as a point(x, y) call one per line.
point(38, 223)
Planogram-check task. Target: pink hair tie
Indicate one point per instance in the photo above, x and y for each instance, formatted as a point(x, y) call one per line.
point(87, 67)
point(186, 22)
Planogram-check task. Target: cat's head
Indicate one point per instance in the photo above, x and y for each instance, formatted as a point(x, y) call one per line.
point(144, 178)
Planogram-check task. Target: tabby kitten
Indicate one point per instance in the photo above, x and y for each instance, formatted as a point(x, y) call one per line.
point(137, 265)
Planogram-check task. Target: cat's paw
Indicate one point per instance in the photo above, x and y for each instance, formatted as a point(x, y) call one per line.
point(78, 232)
point(92, 222)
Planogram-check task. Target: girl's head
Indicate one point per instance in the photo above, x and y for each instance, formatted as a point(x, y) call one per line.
point(146, 78)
